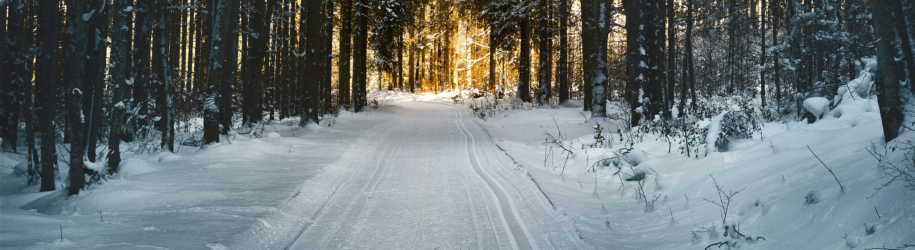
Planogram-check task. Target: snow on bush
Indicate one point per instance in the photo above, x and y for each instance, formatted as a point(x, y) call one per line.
point(817, 106)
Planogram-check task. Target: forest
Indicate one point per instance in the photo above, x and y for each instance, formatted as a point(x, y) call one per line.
point(94, 72)
point(83, 82)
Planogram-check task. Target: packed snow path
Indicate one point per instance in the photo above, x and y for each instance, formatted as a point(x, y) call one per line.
point(432, 178)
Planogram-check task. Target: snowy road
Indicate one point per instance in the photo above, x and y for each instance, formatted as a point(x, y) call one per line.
point(432, 178)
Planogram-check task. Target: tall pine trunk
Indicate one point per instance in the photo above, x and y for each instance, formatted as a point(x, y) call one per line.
point(546, 56)
point(120, 52)
point(214, 71)
point(360, 44)
point(563, 51)
point(343, 61)
point(76, 74)
point(524, 67)
point(46, 86)
point(14, 76)
point(230, 52)
point(888, 71)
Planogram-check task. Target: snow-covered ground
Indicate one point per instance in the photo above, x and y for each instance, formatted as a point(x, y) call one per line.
point(785, 194)
point(421, 172)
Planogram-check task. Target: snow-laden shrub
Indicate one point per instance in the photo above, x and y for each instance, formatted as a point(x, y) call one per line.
point(817, 106)
point(741, 124)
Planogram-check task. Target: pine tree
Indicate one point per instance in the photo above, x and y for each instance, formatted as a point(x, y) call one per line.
point(888, 70)
point(46, 86)
point(219, 35)
point(76, 74)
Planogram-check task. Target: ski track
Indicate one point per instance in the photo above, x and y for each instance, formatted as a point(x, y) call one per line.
point(422, 185)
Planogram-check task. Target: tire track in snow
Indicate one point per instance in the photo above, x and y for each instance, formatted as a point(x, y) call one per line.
point(520, 235)
point(295, 242)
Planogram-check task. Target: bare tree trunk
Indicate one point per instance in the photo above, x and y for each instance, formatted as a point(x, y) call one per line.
point(762, 55)
point(120, 51)
point(360, 44)
point(227, 85)
point(214, 72)
point(524, 67)
point(46, 86)
point(141, 62)
point(888, 71)
point(75, 63)
point(343, 63)
point(563, 51)
point(314, 62)
point(326, 98)
point(161, 70)
point(545, 68)
point(671, 57)
point(15, 76)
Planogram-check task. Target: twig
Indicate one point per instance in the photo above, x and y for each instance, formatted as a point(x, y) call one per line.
point(827, 168)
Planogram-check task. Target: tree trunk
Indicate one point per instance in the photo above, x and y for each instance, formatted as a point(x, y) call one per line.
point(360, 44)
point(120, 50)
point(75, 63)
point(343, 61)
point(214, 72)
point(326, 98)
point(775, 68)
point(671, 57)
point(227, 85)
point(762, 59)
point(46, 86)
point(888, 71)
point(94, 82)
point(162, 71)
point(15, 77)
point(906, 45)
point(492, 62)
point(141, 62)
point(524, 67)
point(563, 51)
point(689, 53)
point(314, 62)
point(546, 57)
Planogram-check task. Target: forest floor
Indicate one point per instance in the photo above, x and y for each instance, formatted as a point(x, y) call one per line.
point(418, 172)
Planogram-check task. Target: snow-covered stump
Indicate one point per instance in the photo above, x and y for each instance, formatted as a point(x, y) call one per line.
point(816, 106)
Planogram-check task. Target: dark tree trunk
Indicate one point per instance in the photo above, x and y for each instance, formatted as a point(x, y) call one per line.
point(492, 61)
point(545, 68)
point(14, 76)
point(120, 51)
point(76, 74)
point(412, 75)
point(94, 80)
point(343, 61)
point(314, 61)
point(689, 53)
point(906, 45)
point(141, 62)
point(888, 71)
point(524, 67)
point(360, 44)
point(563, 51)
point(671, 57)
point(762, 59)
point(214, 71)
point(777, 59)
point(162, 73)
point(230, 52)
point(46, 84)
point(326, 98)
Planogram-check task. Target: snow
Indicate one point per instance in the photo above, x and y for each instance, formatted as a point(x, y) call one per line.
point(420, 172)
point(817, 106)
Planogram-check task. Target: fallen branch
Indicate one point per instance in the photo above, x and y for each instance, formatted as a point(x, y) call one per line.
point(827, 168)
